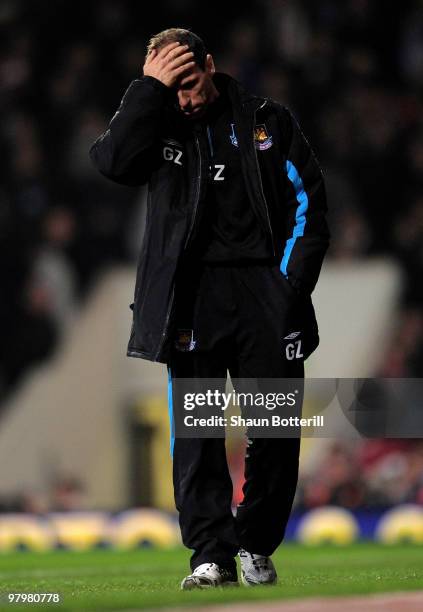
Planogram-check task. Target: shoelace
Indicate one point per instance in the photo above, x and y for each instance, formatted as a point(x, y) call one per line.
point(203, 571)
point(260, 563)
point(225, 573)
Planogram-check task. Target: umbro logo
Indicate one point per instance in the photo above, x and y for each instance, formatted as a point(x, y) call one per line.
point(292, 336)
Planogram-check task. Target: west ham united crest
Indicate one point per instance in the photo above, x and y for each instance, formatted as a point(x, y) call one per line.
point(262, 139)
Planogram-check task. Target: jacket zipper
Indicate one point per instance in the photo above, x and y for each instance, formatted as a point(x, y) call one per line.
point(164, 332)
point(261, 183)
point(197, 198)
point(210, 142)
point(197, 194)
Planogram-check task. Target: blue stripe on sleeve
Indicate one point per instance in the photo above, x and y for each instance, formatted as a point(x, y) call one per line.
point(170, 410)
point(300, 219)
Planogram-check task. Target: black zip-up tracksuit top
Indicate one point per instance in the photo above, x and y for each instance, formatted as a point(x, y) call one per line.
point(149, 141)
point(229, 232)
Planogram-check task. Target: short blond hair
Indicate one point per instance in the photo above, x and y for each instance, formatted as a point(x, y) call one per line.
point(181, 35)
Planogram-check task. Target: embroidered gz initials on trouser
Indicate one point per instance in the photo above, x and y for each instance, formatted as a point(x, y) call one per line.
point(293, 350)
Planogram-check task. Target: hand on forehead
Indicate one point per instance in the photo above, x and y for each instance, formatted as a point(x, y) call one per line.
point(170, 50)
point(189, 76)
point(169, 63)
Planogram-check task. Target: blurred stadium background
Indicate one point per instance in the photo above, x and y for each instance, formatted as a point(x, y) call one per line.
point(83, 428)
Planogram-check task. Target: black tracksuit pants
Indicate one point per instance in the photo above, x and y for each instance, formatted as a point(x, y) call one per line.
point(237, 317)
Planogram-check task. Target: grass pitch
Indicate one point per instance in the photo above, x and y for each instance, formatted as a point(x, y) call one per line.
point(147, 578)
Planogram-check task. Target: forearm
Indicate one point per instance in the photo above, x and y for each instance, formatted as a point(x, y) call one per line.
point(133, 130)
point(307, 233)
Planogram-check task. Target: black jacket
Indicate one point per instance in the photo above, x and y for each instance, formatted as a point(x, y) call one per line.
point(148, 141)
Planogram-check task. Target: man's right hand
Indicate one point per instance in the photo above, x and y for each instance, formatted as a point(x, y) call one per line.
point(168, 63)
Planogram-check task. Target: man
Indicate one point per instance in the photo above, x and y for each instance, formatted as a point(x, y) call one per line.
point(234, 242)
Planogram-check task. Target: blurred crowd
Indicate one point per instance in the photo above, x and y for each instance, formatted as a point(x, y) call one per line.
point(63, 493)
point(351, 72)
point(371, 474)
point(362, 474)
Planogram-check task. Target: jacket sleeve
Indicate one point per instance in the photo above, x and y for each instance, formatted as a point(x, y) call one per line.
point(307, 232)
point(127, 150)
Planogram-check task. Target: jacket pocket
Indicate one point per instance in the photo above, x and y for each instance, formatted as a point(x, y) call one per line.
point(289, 288)
point(291, 294)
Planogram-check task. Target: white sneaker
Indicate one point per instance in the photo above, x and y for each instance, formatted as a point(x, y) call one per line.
point(256, 569)
point(209, 575)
